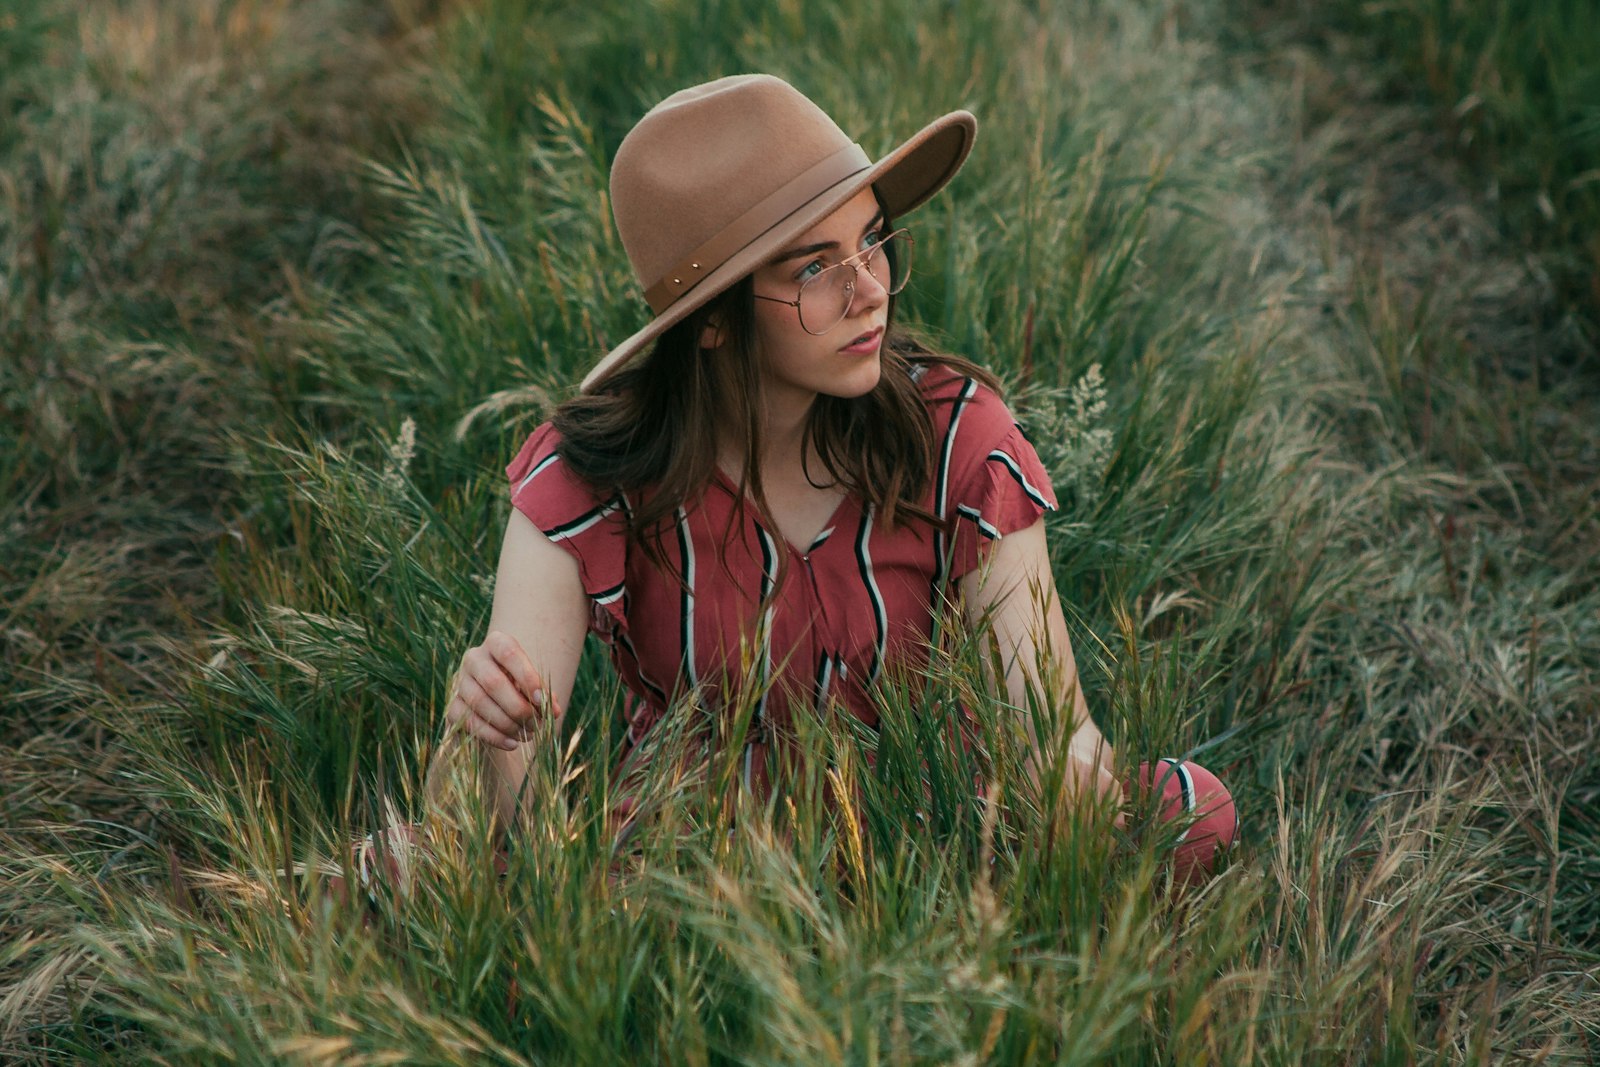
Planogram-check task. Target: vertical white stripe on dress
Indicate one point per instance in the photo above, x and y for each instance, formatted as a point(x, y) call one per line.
point(942, 494)
point(880, 615)
point(824, 678)
point(1186, 789)
point(686, 600)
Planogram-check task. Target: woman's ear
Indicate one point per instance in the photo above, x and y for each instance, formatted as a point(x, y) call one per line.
point(712, 335)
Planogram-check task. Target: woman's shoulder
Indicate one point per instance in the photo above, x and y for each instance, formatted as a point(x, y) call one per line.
point(589, 526)
point(961, 400)
point(538, 472)
point(540, 449)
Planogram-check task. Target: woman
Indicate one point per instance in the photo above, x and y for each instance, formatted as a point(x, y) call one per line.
point(767, 494)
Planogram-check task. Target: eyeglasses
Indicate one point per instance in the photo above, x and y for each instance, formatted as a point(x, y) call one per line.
point(825, 297)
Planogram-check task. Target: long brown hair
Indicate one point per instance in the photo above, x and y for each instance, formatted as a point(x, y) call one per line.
point(655, 424)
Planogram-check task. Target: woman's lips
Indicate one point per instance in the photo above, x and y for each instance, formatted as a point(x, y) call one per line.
point(868, 343)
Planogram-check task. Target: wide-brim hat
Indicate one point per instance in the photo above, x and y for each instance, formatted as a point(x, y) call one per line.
point(717, 179)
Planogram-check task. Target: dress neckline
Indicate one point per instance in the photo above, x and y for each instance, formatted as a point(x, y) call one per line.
point(821, 537)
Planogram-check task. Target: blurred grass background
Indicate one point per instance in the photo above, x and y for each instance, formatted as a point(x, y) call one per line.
point(284, 282)
point(1513, 91)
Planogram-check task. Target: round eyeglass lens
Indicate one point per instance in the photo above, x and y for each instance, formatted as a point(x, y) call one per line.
point(825, 299)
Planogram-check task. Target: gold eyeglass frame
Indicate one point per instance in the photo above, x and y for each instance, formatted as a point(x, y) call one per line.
point(855, 265)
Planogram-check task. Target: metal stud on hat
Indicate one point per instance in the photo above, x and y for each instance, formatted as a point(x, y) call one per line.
point(718, 178)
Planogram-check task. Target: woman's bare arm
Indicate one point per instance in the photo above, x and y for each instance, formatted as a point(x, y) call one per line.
point(525, 668)
point(1016, 592)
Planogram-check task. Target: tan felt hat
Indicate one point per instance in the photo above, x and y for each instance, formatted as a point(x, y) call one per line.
point(718, 178)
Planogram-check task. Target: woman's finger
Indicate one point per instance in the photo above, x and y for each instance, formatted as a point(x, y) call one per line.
point(462, 719)
point(486, 710)
point(489, 674)
point(489, 735)
point(510, 656)
point(486, 699)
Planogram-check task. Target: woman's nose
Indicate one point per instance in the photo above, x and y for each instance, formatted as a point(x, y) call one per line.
point(869, 291)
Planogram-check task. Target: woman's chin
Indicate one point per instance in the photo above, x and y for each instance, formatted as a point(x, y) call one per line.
point(859, 380)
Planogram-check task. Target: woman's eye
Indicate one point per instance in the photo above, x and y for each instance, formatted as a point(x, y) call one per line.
point(874, 238)
point(809, 271)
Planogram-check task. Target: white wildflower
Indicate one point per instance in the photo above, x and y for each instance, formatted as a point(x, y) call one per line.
point(401, 453)
point(1065, 426)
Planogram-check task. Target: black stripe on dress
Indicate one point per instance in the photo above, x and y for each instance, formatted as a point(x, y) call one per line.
point(1015, 470)
point(576, 526)
point(686, 599)
point(942, 497)
point(824, 678)
point(1186, 787)
point(880, 615)
point(977, 519)
point(769, 577)
point(538, 468)
point(1186, 784)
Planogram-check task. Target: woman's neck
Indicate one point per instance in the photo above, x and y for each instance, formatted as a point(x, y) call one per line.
point(783, 431)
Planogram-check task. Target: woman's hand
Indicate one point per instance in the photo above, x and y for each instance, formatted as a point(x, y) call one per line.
point(1089, 778)
point(498, 694)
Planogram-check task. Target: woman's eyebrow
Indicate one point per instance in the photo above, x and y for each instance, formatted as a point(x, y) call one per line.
point(825, 246)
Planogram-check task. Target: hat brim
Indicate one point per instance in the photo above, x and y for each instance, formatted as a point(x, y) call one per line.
point(906, 178)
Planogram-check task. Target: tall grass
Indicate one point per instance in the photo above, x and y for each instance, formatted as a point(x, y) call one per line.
point(166, 171)
point(1517, 90)
point(1306, 537)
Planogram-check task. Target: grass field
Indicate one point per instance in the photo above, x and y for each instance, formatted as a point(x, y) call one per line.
point(1517, 91)
point(284, 283)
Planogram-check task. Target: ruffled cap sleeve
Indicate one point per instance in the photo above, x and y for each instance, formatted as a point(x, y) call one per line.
point(998, 484)
point(589, 527)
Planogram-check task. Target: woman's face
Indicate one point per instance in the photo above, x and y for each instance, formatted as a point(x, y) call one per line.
point(843, 361)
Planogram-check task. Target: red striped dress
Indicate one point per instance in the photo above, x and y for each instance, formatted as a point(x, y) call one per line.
point(858, 599)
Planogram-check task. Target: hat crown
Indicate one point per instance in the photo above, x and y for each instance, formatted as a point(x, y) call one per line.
point(704, 157)
point(717, 179)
